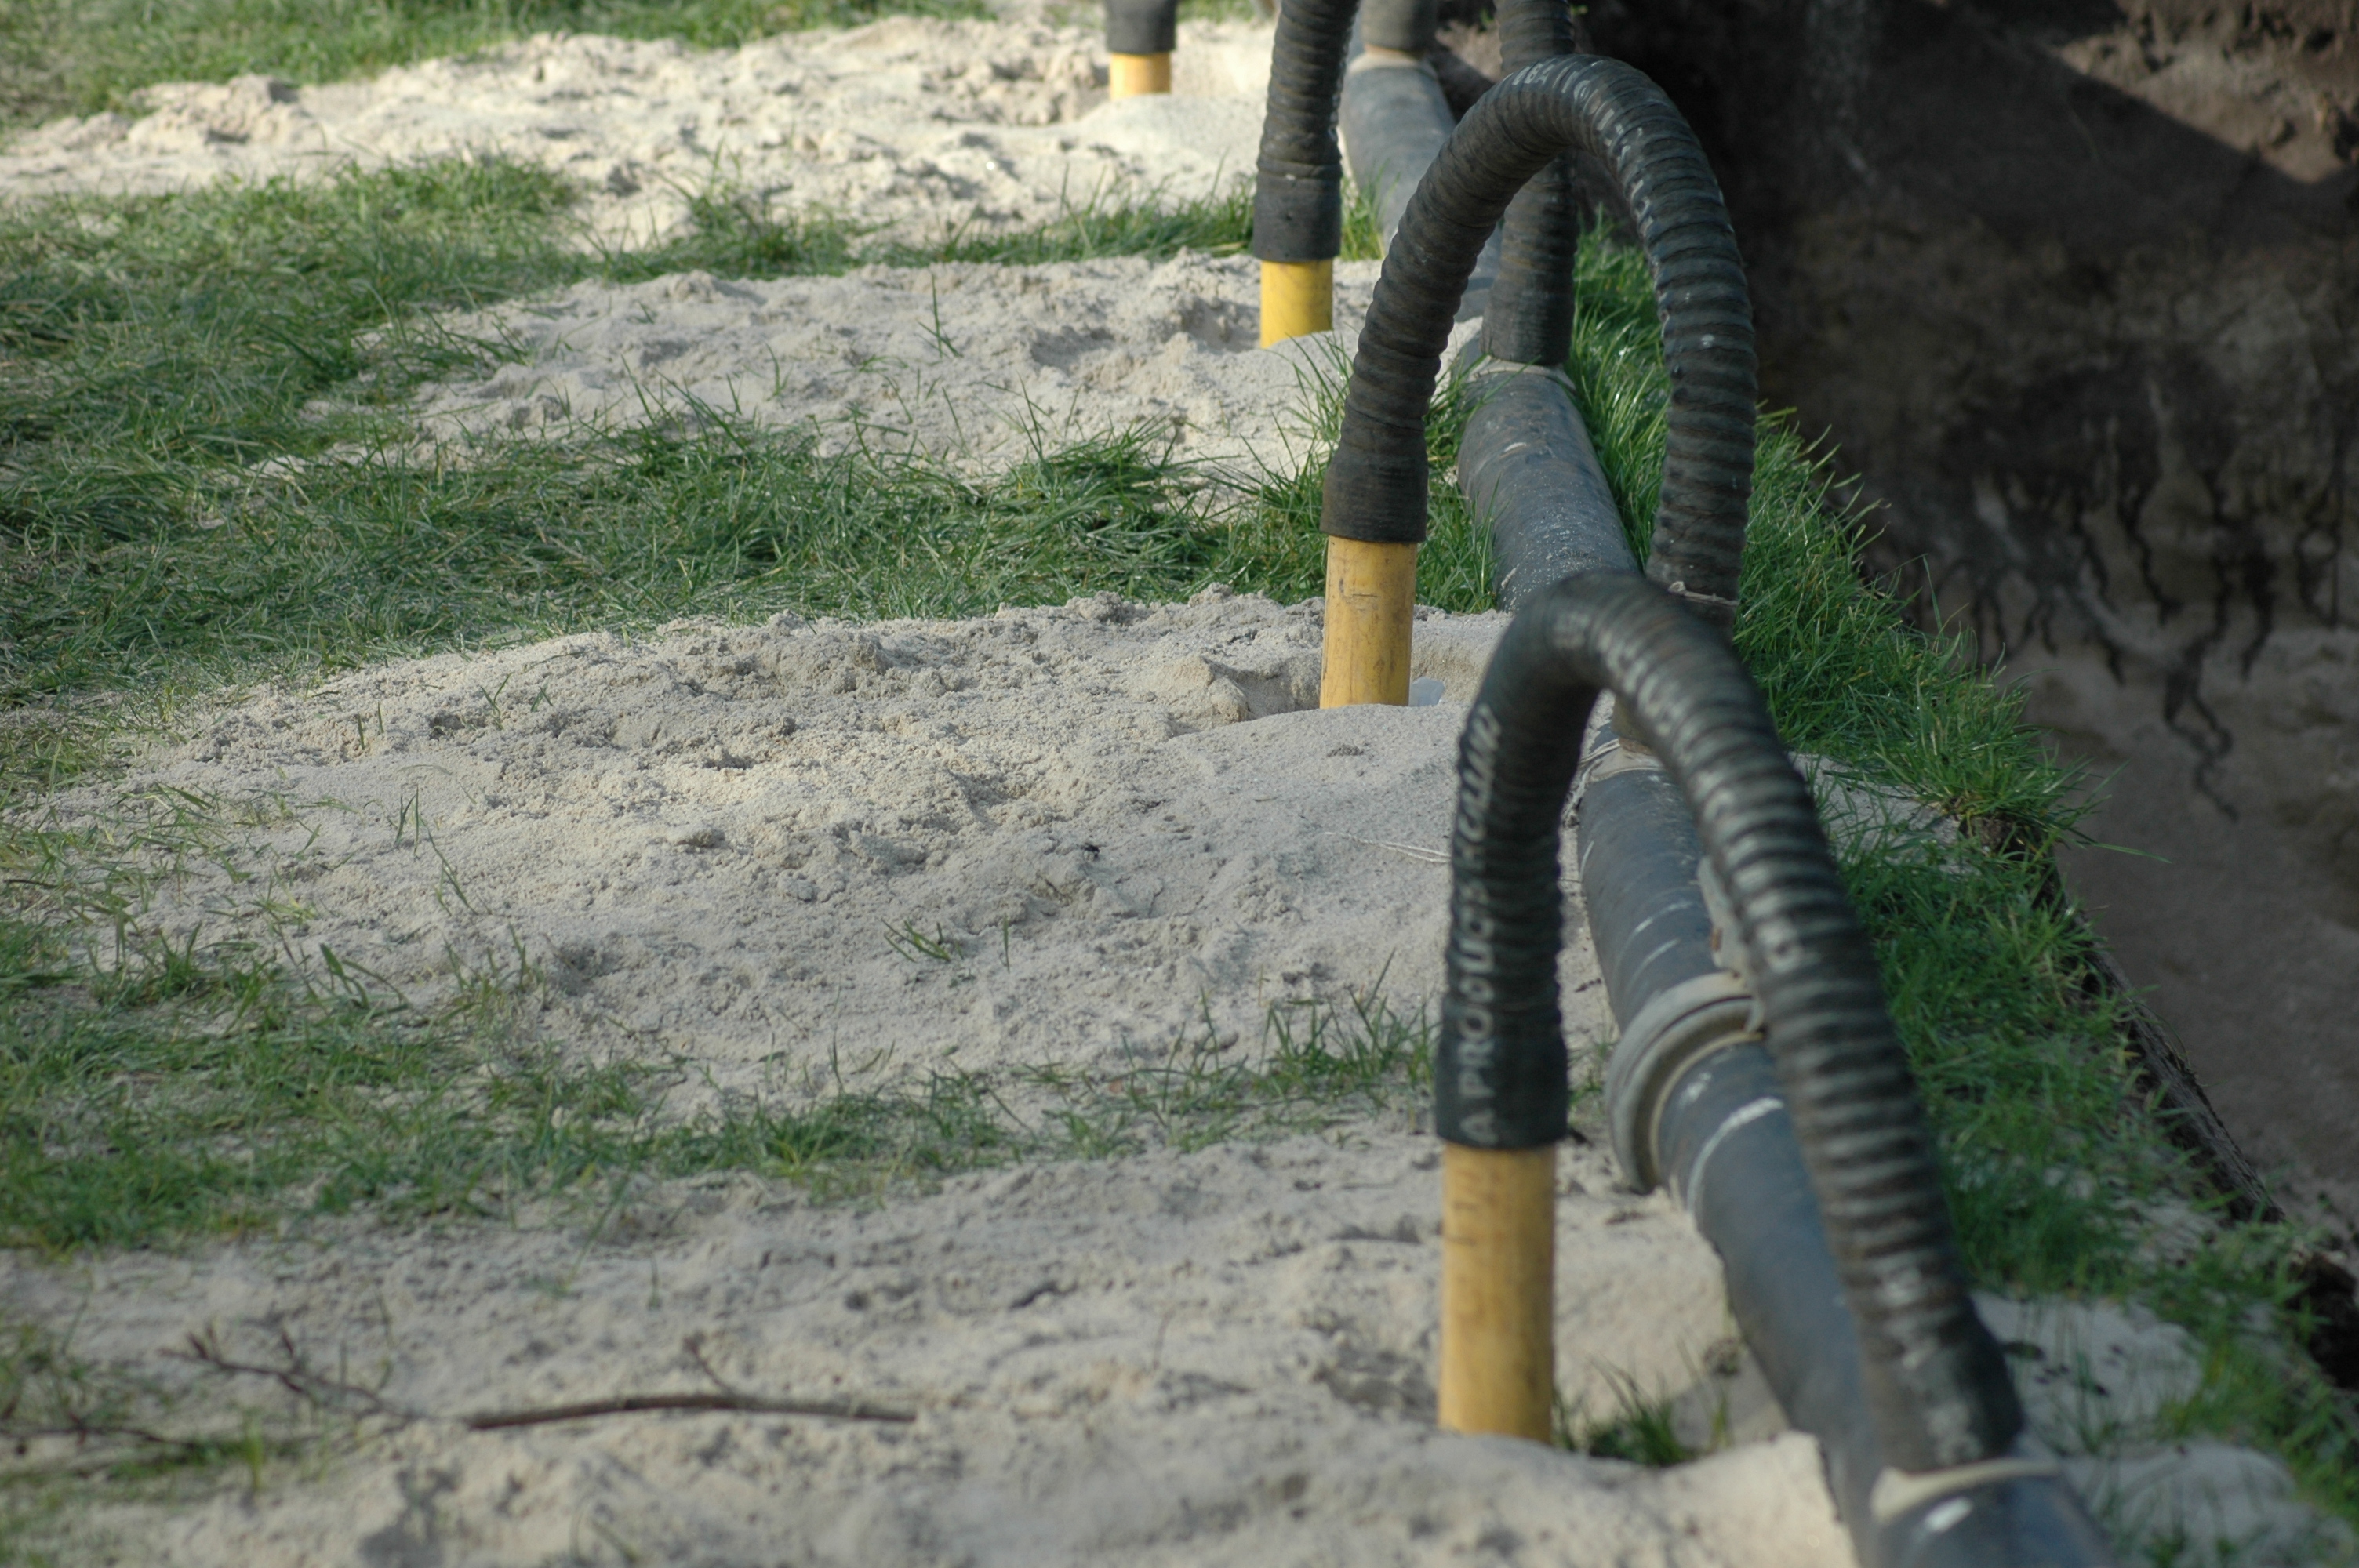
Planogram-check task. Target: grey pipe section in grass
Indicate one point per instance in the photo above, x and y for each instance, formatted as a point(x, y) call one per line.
point(1936, 1381)
point(1727, 1149)
point(1395, 119)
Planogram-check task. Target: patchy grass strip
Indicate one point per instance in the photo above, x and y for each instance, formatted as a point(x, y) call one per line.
point(174, 518)
point(153, 1089)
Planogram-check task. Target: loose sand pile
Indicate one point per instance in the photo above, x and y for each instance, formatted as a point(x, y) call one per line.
point(973, 363)
point(1062, 837)
point(718, 843)
point(918, 128)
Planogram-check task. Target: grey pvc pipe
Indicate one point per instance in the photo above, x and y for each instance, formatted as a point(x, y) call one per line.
point(1693, 1097)
point(1723, 1132)
point(1395, 119)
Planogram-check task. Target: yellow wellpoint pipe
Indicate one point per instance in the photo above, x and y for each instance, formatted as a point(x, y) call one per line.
point(1371, 600)
point(1498, 1291)
point(1298, 299)
point(1133, 75)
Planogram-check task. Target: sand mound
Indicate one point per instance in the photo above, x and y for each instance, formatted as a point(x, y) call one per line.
point(916, 127)
point(969, 362)
point(1216, 1357)
point(1119, 818)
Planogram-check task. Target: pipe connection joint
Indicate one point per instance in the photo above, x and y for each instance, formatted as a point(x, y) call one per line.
point(1673, 1032)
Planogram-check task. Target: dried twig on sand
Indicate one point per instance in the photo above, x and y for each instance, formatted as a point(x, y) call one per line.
point(300, 1378)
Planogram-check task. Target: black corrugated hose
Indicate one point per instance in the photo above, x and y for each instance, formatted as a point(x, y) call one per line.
point(1298, 196)
point(1376, 485)
point(1529, 319)
point(1937, 1383)
point(1142, 27)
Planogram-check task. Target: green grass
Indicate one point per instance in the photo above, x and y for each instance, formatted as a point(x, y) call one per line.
point(1640, 1431)
point(158, 351)
point(177, 514)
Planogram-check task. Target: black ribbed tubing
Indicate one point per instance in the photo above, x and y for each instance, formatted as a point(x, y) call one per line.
point(1528, 318)
point(1142, 27)
point(1376, 484)
point(1937, 1383)
point(1298, 196)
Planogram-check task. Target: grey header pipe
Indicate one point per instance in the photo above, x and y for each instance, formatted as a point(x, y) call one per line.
point(1920, 1405)
point(1937, 1383)
point(1723, 1134)
point(1690, 1091)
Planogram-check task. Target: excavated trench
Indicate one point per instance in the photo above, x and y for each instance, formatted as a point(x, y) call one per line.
point(2072, 285)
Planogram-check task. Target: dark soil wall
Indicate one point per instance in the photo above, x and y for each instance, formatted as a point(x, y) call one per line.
point(2074, 283)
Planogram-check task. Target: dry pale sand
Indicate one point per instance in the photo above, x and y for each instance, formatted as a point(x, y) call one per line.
point(1125, 825)
point(710, 840)
point(1121, 823)
point(918, 128)
point(970, 364)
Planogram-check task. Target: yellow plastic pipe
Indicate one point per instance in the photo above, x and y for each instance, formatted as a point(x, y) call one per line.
point(1130, 75)
point(1371, 600)
point(1298, 299)
point(1498, 1291)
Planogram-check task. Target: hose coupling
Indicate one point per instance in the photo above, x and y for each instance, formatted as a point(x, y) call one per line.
point(1671, 1034)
